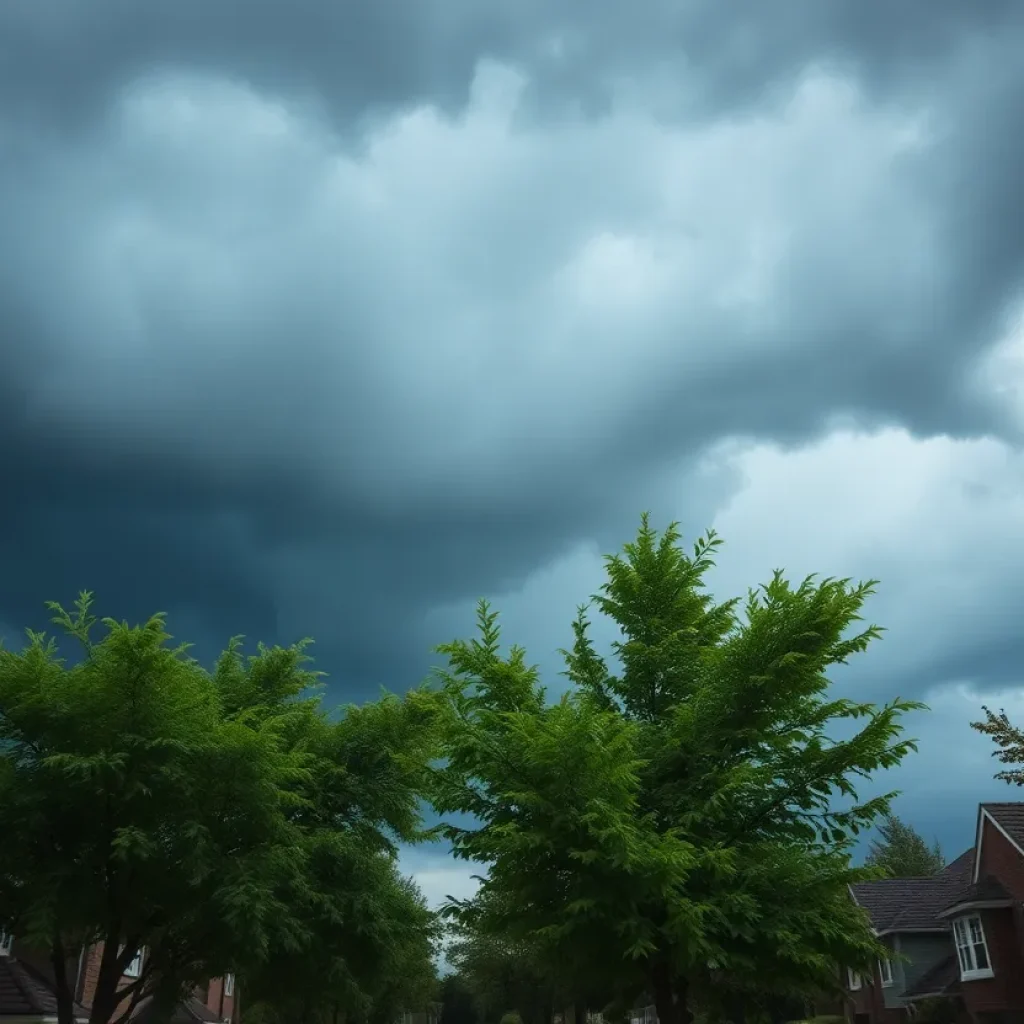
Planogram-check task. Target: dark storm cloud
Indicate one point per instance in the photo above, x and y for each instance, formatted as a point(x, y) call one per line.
point(64, 57)
point(227, 394)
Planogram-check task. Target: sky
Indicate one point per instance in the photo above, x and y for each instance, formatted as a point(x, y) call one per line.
point(328, 319)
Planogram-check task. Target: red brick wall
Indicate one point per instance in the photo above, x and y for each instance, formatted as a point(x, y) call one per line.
point(1001, 860)
point(1004, 930)
point(90, 977)
point(90, 974)
point(869, 999)
point(212, 995)
point(1005, 990)
point(219, 1001)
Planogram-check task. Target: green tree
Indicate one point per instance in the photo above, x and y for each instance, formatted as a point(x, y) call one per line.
point(370, 952)
point(684, 823)
point(457, 1002)
point(1009, 740)
point(901, 851)
point(504, 976)
point(147, 803)
point(368, 941)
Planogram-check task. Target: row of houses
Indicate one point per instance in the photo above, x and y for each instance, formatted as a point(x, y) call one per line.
point(27, 994)
point(957, 937)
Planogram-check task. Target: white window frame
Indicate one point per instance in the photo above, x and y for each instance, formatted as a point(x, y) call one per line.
point(6, 941)
point(229, 985)
point(885, 972)
point(134, 968)
point(853, 979)
point(969, 937)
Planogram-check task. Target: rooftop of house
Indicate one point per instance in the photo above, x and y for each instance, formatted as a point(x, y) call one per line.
point(25, 993)
point(918, 904)
point(188, 1011)
point(1010, 818)
point(914, 904)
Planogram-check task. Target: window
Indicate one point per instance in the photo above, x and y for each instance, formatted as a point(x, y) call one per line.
point(229, 984)
point(971, 948)
point(134, 969)
point(5, 943)
point(854, 979)
point(885, 972)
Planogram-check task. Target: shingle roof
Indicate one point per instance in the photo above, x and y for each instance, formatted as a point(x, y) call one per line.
point(914, 904)
point(985, 890)
point(1010, 818)
point(963, 866)
point(25, 993)
point(188, 1011)
point(942, 979)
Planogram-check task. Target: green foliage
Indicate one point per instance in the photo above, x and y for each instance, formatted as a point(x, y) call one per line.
point(500, 975)
point(220, 820)
point(1009, 740)
point(685, 818)
point(371, 947)
point(901, 852)
point(457, 1001)
point(511, 1018)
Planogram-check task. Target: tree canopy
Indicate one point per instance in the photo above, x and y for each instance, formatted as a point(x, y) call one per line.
point(680, 820)
point(221, 820)
point(502, 976)
point(901, 852)
point(1009, 741)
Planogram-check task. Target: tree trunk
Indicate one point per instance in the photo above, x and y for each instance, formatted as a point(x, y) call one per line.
point(664, 997)
point(671, 996)
point(105, 997)
point(62, 989)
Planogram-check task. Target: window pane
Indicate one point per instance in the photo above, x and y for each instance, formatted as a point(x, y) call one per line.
point(961, 952)
point(981, 956)
point(976, 935)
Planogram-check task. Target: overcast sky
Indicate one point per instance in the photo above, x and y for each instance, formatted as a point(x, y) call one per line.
point(328, 318)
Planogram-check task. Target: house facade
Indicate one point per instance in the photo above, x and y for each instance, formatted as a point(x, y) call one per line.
point(27, 993)
point(957, 936)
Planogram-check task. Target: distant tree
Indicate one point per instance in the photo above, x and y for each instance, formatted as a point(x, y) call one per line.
point(673, 819)
point(902, 852)
point(457, 1003)
point(503, 976)
point(1009, 740)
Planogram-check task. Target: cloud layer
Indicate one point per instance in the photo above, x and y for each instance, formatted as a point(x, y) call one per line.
point(330, 319)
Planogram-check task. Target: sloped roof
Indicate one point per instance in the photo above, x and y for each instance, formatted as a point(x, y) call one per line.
point(25, 993)
point(914, 904)
point(942, 979)
point(985, 890)
point(1010, 818)
point(188, 1011)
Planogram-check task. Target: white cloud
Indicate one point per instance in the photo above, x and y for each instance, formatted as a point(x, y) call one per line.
point(937, 520)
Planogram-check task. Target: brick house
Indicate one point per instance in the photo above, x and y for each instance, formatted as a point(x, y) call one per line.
point(959, 935)
point(27, 989)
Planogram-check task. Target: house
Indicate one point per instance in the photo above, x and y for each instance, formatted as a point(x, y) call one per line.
point(957, 936)
point(27, 994)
